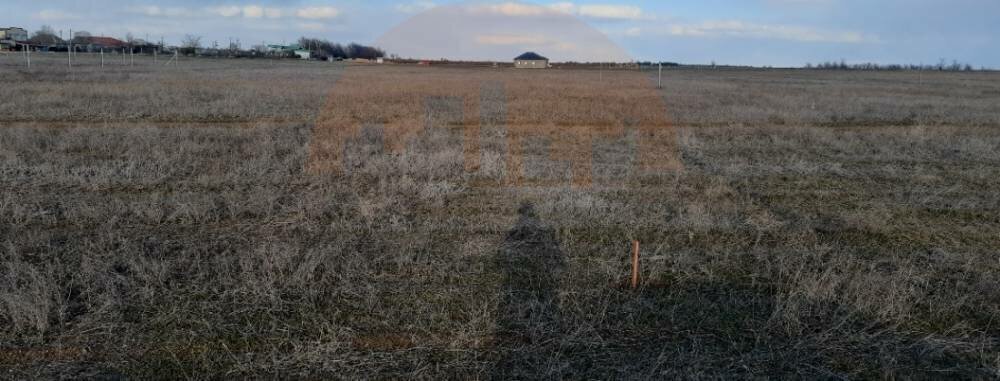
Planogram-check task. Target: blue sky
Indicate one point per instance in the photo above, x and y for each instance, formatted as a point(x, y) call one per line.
point(755, 32)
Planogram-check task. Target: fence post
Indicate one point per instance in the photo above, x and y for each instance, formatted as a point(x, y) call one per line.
point(659, 77)
point(102, 57)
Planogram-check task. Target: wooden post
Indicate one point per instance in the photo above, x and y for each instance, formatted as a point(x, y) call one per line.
point(635, 265)
point(659, 77)
point(102, 57)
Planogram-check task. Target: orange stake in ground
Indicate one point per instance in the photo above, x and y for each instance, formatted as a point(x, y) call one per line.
point(635, 265)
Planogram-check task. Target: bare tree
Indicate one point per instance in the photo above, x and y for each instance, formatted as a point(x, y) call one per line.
point(190, 44)
point(45, 35)
point(81, 37)
point(46, 30)
point(191, 41)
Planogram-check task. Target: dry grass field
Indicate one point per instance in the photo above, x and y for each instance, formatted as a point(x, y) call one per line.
point(184, 222)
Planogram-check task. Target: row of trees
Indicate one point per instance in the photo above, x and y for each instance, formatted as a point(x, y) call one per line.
point(324, 49)
point(940, 66)
point(45, 36)
point(190, 45)
point(319, 48)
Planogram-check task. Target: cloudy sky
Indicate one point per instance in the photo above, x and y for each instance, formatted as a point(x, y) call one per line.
point(756, 32)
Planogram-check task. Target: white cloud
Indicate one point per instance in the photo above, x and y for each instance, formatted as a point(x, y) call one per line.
point(55, 15)
point(228, 11)
point(273, 13)
point(614, 12)
point(800, 2)
point(415, 7)
point(764, 31)
point(594, 11)
point(155, 11)
point(151, 10)
point(225, 11)
point(633, 32)
point(231, 11)
point(513, 9)
point(317, 13)
point(253, 12)
point(564, 7)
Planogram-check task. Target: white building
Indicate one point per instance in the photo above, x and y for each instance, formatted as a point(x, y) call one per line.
point(531, 60)
point(10, 37)
point(13, 34)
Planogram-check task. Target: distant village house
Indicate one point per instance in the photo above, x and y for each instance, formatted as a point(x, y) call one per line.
point(531, 60)
point(96, 44)
point(10, 37)
point(293, 50)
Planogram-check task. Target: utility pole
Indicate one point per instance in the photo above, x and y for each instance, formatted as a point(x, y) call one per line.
point(69, 50)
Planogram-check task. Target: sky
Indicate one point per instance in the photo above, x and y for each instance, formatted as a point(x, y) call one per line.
point(739, 32)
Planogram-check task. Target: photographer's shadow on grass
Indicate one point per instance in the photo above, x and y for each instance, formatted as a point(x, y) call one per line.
point(529, 325)
point(673, 328)
point(542, 334)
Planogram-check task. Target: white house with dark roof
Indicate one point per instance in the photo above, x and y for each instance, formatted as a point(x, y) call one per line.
point(531, 60)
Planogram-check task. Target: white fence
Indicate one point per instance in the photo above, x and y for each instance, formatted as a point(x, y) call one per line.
point(30, 56)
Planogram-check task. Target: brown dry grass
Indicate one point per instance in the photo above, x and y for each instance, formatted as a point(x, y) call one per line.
point(192, 91)
point(832, 98)
point(569, 108)
point(780, 251)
